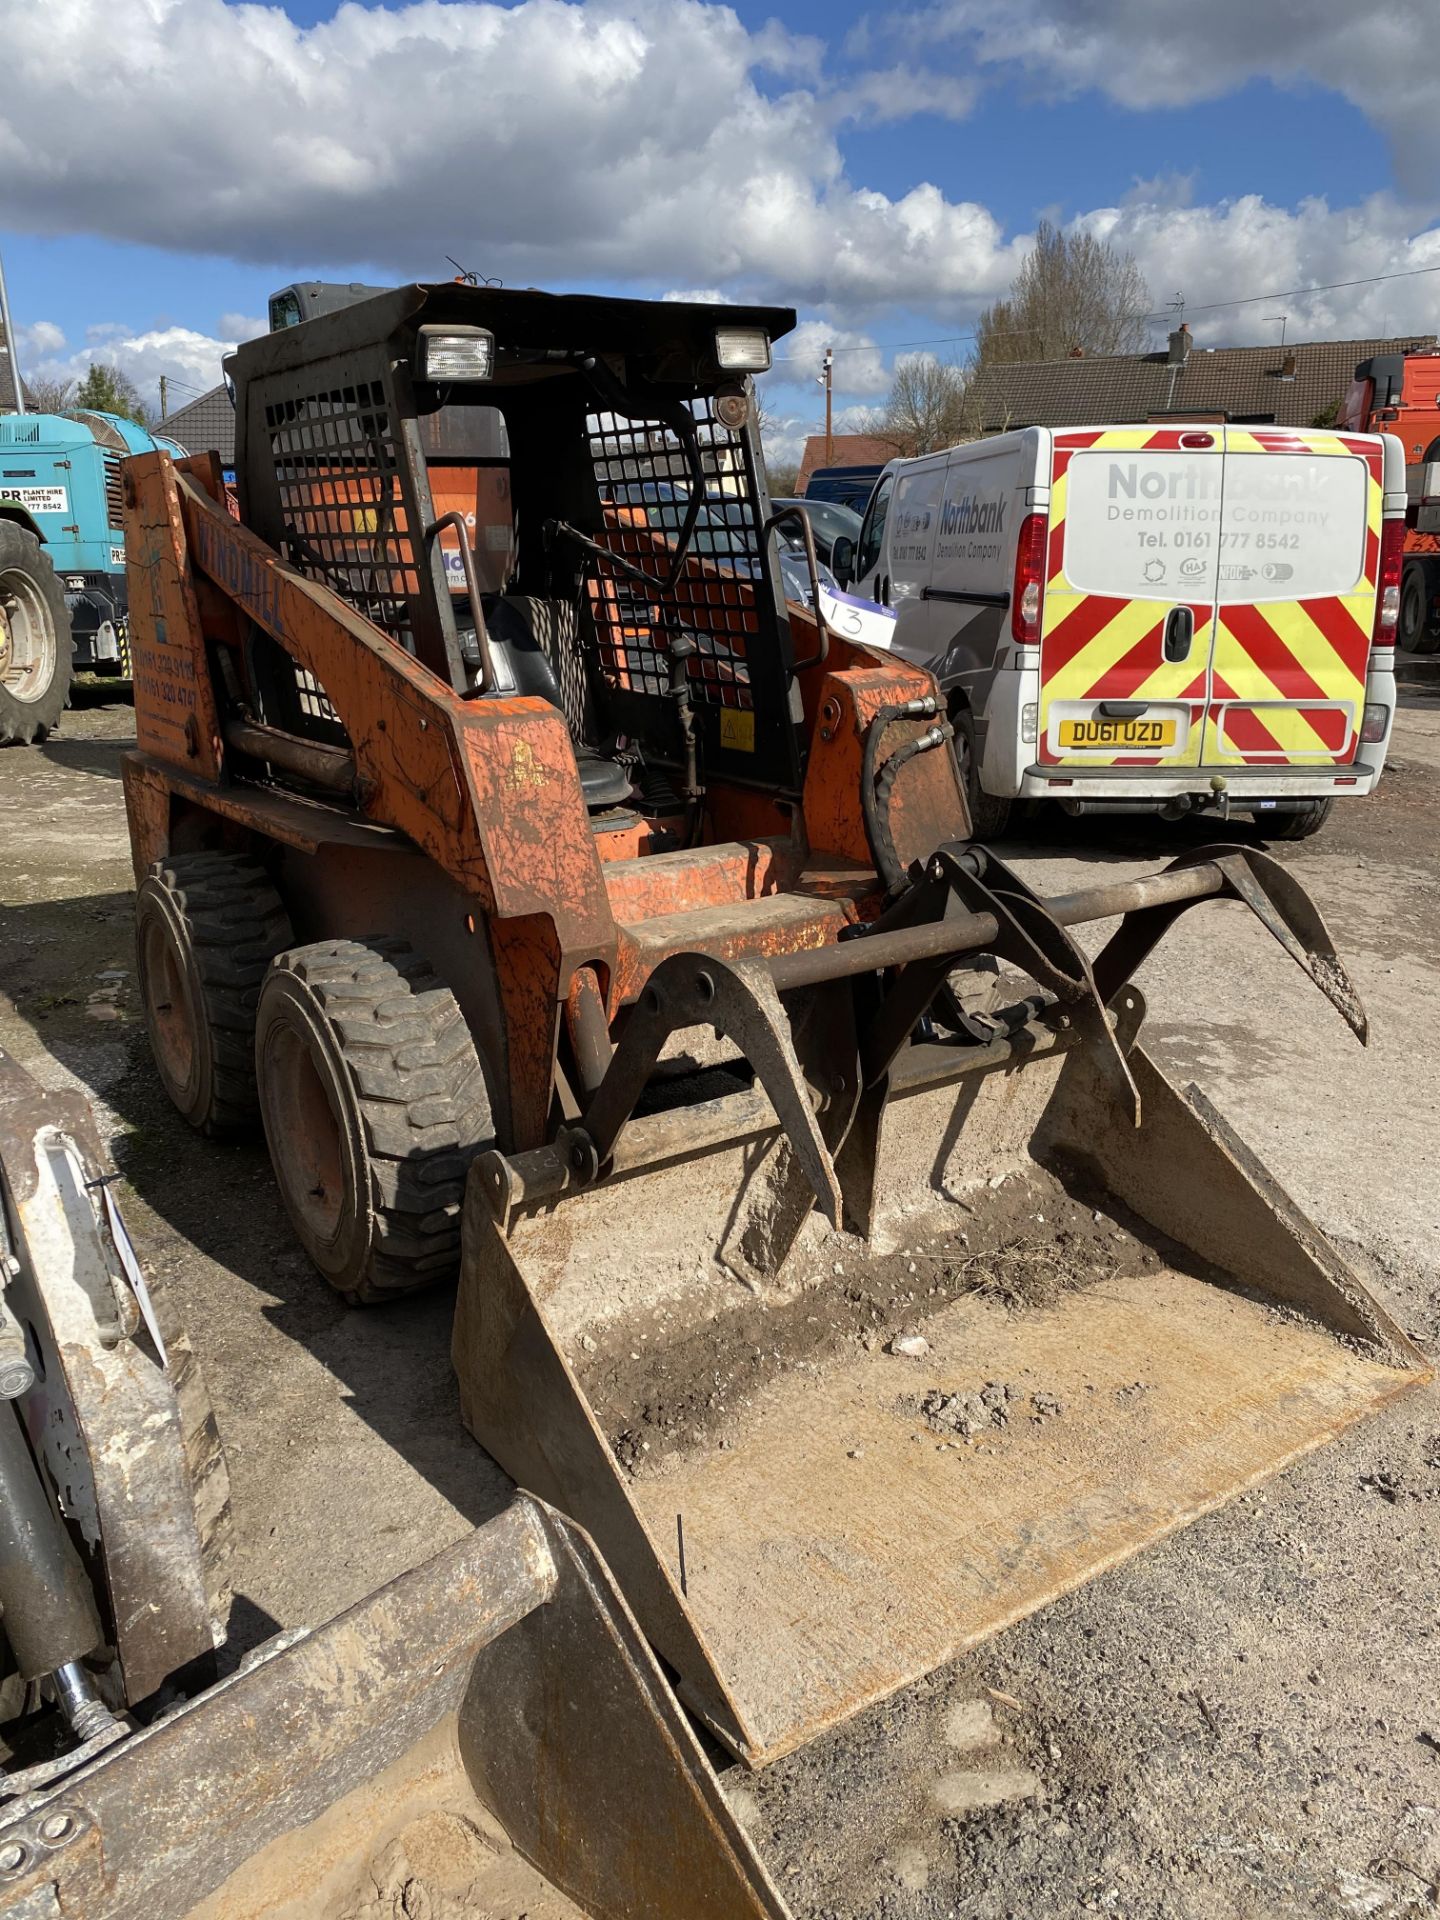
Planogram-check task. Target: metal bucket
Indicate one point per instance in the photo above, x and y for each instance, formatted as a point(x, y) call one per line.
point(452, 1742)
point(1045, 1337)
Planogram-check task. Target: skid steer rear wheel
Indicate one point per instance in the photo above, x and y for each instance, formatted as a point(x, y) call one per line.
point(207, 926)
point(374, 1104)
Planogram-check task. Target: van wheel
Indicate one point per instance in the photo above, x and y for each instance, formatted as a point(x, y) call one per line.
point(36, 651)
point(374, 1104)
point(1297, 824)
point(989, 814)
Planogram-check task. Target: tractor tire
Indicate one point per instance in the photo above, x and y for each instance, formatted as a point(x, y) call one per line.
point(1410, 629)
point(989, 814)
point(36, 651)
point(1298, 824)
point(207, 926)
point(374, 1103)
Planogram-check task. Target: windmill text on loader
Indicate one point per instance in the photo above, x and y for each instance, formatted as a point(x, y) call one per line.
point(580, 916)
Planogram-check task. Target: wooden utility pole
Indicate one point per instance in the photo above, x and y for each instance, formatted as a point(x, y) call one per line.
point(828, 382)
point(164, 397)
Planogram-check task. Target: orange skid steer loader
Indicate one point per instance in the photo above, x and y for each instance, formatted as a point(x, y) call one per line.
point(610, 935)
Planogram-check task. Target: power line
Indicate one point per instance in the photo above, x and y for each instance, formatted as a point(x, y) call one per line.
point(1294, 293)
point(1210, 306)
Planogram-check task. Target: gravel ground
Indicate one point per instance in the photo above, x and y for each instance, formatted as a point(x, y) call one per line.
point(1244, 1721)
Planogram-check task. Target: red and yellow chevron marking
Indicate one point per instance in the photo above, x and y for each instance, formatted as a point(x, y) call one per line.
point(1286, 683)
point(1097, 648)
point(1273, 658)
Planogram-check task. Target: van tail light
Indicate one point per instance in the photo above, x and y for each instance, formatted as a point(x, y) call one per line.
point(1028, 596)
point(1392, 565)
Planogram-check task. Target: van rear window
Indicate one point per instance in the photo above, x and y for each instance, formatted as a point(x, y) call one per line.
point(1292, 526)
point(1158, 525)
point(1142, 524)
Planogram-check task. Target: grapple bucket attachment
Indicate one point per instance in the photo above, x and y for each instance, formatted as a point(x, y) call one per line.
point(488, 1734)
point(1046, 1333)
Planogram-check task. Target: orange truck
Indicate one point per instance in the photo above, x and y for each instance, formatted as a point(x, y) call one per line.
point(1399, 393)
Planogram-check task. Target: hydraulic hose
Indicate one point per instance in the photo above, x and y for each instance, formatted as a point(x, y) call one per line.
point(875, 789)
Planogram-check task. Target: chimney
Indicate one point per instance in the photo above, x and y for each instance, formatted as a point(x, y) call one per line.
point(1287, 367)
point(1077, 353)
point(1180, 344)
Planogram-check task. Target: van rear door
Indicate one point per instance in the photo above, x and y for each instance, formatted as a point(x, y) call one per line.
point(1131, 584)
point(1299, 569)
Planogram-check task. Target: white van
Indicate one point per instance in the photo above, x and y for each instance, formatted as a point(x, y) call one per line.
point(1151, 617)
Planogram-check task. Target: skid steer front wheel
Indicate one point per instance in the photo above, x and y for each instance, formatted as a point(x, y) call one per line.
point(207, 926)
point(374, 1104)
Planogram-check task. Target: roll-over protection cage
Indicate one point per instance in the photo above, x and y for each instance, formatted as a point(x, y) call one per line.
point(636, 506)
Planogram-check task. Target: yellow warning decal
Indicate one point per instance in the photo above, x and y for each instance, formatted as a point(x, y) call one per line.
point(737, 730)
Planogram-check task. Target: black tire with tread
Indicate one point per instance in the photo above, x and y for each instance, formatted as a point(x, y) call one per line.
point(989, 813)
point(1410, 632)
point(224, 922)
point(205, 1465)
point(397, 1066)
point(1298, 823)
point(23, 721)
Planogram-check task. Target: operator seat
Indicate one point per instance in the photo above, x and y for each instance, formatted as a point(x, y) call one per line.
point(523, 667)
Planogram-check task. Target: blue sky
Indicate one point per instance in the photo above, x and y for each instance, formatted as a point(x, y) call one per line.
point(878, 168)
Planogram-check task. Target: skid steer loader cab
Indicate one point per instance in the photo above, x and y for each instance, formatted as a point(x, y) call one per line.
point(409, 451)
point(610, 931)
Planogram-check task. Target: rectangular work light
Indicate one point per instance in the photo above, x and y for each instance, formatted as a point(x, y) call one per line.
point(742, 349)
point(455, 353)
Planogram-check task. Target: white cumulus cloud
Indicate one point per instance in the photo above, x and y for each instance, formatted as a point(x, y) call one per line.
point(661, 145)
point(190, 360)
point(1161, 53)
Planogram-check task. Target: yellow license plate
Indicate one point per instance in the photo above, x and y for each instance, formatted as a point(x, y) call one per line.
point(1118, 736)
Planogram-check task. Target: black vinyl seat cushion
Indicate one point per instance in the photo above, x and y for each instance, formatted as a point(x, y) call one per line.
point(604, 783)
point(523, 667)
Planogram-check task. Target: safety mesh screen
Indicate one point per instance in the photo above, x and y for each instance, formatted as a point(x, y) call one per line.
point(312, 699)
point(644, 482)
point(338, 477)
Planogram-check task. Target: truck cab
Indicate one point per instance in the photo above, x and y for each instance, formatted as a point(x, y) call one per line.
point(1399, 394)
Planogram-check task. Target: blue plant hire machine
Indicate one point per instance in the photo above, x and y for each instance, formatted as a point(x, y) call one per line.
point(63, 601)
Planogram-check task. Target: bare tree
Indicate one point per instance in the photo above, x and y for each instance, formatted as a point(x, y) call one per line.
point(925, 408)
point(50, 396)
point(1074, 291)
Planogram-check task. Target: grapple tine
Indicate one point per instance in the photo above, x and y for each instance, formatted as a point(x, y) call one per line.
point(738, 999)
point(1277, 900)
point(1032, 939)
point(1285, 909)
